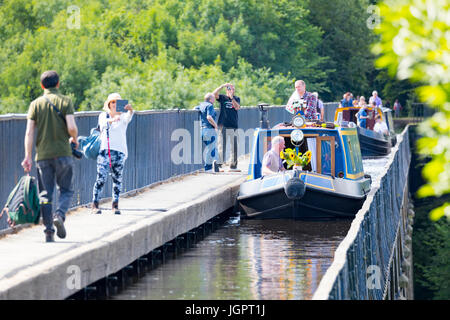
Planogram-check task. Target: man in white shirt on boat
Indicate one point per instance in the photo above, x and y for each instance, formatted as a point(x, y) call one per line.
point(272, 162)
point(380, 126)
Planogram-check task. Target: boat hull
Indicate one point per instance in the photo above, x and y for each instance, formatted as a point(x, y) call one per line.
point(316, 204)
point(373, 144)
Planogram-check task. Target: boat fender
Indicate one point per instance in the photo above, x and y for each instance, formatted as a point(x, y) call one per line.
point(295, 188)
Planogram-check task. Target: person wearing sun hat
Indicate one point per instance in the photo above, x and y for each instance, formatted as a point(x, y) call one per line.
point(113, 150)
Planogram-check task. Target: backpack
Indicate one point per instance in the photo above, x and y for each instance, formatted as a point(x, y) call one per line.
point(23, 205)
point(91, 145)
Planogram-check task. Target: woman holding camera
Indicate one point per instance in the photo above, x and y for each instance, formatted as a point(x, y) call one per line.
point(113, 150)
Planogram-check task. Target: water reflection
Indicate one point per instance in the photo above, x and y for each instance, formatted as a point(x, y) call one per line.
point(250, 259)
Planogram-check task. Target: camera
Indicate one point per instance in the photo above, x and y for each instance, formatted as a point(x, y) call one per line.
point(77, 154)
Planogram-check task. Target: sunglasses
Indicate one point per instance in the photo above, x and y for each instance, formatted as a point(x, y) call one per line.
point(112, 101)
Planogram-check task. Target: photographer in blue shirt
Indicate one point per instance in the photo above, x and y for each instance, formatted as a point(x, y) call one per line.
point(362, 117)
point(209, 131)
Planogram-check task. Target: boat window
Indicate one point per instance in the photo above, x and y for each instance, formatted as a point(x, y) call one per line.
point(339, 117)
point(312, 145)
point(322, 153)
point(309, 143)
point(352, 115)
point(371, 121)
point(389, 121)
point(325, 157)
point(353, 154)
point(348, 115)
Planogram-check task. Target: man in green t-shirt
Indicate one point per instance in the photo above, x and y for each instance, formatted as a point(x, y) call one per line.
point(54, 159)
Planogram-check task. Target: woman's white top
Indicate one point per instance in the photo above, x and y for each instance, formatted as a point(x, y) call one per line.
point(117, 132)
point(381, 127)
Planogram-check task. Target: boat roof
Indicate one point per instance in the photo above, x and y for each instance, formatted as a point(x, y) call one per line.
point(345, 155)
point(310, 127)
point(354, 108)
point(383, 109)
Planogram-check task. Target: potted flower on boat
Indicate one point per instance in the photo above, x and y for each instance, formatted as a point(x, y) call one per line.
point(296, 160)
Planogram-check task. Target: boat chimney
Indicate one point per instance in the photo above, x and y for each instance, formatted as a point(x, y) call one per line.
point(264, 122)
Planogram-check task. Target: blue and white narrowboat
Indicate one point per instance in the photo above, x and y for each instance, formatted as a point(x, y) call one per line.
point(332, 185)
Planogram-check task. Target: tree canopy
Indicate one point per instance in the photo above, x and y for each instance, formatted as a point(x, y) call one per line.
point(167, 54)
point(415, 45)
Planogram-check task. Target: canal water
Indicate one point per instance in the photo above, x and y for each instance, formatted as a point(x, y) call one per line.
point(247, 259)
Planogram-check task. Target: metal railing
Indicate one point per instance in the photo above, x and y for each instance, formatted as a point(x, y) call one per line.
point(149, 139)
point(375, 241)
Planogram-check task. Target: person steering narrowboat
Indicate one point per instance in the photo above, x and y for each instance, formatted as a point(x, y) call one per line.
point(272, 162)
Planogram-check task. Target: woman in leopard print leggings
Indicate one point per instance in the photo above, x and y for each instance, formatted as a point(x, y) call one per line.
point(113, 150)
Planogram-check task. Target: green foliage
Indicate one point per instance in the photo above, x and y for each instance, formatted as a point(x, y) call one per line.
point(346, 44)
point(392, 89)
point(431, 247)
point(414, 45)
point(169, 53)
point(158, 54)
